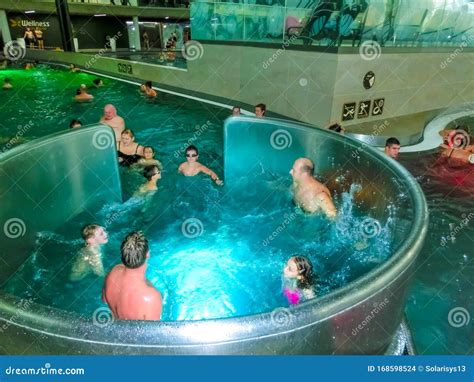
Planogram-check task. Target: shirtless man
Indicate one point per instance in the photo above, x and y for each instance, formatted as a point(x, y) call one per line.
point(82, 95)
point(192, 167)
point(110, 118)
point(89, 258)
point(392, 147)
point(127, 291)
point(309, 194)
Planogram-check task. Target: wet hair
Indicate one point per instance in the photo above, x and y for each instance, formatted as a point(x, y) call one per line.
point(74, 122)
point(6, 80)
point(151, 170)
point(148, 84)
point(308, 168)
point(134, 249)
point(262, 107)
point(335, 127)
point(152, 150)
point(128, 132)
point(78, 91)
point(305, 270)
point(235, 107)
point(88, 231)
point(191, 148)
point(96, 81)
point(392, 141)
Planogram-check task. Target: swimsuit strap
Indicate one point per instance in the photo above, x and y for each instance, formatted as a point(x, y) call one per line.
point(119, 146)
point(136, 150)
point(451, 153)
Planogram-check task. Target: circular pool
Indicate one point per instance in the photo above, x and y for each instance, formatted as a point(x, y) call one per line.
point(217, 253)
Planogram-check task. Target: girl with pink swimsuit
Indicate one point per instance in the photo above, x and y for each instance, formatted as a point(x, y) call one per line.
point(298, 280)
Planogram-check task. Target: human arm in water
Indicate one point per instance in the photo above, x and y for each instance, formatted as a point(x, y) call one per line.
point(212, 174)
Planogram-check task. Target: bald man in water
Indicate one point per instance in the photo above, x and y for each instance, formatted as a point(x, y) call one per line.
point(111, 119)
point(127, 291)
point(308, 193)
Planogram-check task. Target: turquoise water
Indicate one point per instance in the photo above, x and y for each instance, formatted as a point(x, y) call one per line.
point(440, 308)
point(214, 252)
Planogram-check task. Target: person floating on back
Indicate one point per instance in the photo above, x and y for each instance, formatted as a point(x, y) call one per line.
point(309, 194)
point(298, 280)
point(89, 259)
point(127, 291)
point(192, 167)
point(392, 147)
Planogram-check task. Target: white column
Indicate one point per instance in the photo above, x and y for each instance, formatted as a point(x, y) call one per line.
point(7, 37)
point(137, 33)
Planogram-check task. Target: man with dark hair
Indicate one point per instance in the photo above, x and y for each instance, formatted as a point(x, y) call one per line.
point(309, 194)
point(260, 110)
point(127, 291)
point(392, 147)
point(235, 111)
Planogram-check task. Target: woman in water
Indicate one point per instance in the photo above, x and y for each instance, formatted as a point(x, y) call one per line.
point(298, 280)
point(148, 157)
point(129, 152)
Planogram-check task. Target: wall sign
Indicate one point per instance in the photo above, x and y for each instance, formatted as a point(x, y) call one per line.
point(378, 106)
point(348, 111)
point(369, 80)
point(125, 68)
point(364, 109)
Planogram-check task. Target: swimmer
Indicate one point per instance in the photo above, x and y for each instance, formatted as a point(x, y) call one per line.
point(309, 194)
point(89, 258)
point(260, 110)
point(192, 167)
point(152, 174)
point(235, 111)
point(110, 118)
point(298, 280)
point(75, 123)
point(97, 83)
point(82, 95)
point(128, 151)
point(392, 147)
point(336, 127)
point(148, 157)
point(127, 291)
point(148, 89)
point(74, 69)
point(29, 66)
point(7, 84)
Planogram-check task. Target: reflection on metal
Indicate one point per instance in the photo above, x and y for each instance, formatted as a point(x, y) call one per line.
point(325, 325)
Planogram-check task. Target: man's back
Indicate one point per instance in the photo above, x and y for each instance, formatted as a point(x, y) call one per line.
point(131, 297)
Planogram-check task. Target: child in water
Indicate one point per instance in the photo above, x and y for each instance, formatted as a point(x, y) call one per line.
point(152, 174)
point(298, 280)
point(89, 258)
point(148, 157)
